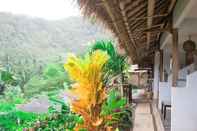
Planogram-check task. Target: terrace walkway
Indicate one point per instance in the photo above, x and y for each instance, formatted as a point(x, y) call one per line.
point(143, 120)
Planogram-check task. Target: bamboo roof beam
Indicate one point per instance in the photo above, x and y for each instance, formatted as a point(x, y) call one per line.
point(150, 12)
point(121, 35)
point(126, 23)
point(139, 18)
point(172, 4)
point(133, 11)
point(147, 17)
point(142, 20)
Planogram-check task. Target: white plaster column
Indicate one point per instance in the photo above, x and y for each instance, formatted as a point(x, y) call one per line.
point(156, 75)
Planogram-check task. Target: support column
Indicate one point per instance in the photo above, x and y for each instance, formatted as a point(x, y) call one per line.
point(161, 68)
point(156, 75)
point(138, 79)
point(175, 58)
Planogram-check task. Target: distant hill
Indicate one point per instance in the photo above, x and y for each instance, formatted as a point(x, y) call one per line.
point(22, 36)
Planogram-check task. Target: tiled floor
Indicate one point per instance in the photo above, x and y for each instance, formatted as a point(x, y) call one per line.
point(167, 122)
point(143, 120)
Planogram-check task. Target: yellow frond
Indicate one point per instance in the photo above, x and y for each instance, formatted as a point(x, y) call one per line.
point(89, 90)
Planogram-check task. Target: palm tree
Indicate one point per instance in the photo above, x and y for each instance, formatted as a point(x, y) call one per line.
point(116, 63)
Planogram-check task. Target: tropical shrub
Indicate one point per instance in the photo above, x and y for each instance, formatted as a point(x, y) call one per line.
point(6, 79)
point(88, 93)
point(17, 120)
point(62, 119)
point(116, 112)
point(116, 63)
point(12, 119)
point(52, 78)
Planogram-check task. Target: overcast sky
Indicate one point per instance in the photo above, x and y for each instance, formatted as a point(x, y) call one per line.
point(48, 9)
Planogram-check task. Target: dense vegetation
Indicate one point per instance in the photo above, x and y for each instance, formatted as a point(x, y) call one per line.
point(26, 38)
point(77, 90)
point(30, 44)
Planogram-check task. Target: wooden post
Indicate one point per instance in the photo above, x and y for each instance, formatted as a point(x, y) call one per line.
point(138, 78)
point(161, 70)
point(175, 57)
point(122, 84)
point(130, 94)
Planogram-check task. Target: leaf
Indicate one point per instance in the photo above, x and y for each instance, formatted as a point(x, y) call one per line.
point(115, 64)
point(88, 93)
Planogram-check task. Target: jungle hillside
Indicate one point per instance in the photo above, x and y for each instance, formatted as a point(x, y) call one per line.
point(23, 37)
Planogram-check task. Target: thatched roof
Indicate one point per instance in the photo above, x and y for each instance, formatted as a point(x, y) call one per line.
point(129, 20)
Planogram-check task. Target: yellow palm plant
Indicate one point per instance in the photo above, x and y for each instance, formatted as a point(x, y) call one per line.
point(88, 92)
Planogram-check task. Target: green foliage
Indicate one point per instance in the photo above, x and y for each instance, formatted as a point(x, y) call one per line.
point(23, 40)
point(12, 119)
point(6, 76)
point(113, 103)
point(116, 64)
point(17, 72)
point(56, 73)
point(62, 119)
point(6, 79)
point(17, 120)
point(116, 107)
point(7, 105)
point(42, 39)
point(51, 79)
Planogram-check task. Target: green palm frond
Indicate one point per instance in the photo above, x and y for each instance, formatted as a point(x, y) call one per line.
point(116, 64)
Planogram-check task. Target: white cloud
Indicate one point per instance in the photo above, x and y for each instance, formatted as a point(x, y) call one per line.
point(48, 9)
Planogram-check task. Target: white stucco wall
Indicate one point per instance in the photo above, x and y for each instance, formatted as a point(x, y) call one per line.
point(164, 92)
point(166, 59)
point(184, 99)
point(156, 75)
point(184, 106)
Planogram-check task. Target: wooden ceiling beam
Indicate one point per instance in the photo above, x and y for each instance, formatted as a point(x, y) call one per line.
point(122, 6)
point(140, 14)
point(125, 2)
point(145, 30)
point(159, 30)
point(150, 12)
point(123, 37)
point(146, 17)
point(139, 17)
point(172, 4)
point(159, 3)
point(141, 23)
point(135, 10)
point(135, 5)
